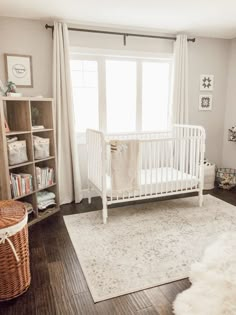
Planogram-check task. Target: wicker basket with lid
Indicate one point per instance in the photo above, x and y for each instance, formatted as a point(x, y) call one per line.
point(14, 250)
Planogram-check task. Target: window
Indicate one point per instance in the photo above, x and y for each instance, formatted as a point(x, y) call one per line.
point(121, 94)
point(84, 74)
point(155, 95)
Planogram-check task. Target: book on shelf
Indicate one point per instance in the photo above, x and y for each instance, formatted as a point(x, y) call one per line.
point(21, 184)
point(37, 127)
point(45, 176)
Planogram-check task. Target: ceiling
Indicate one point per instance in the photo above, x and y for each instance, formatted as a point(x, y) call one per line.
point(207, 18)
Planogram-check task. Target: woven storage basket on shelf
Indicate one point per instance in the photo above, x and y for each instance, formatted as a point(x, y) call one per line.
point(14, 250)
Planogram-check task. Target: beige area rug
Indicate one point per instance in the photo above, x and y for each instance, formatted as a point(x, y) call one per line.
point(146, 245)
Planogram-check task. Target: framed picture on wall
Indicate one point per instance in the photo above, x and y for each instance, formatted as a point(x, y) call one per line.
point(205, 102)
point(19, 69)
point(206, 82)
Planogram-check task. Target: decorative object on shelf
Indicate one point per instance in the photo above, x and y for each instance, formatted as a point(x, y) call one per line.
point(226, 178)
point(232, 134)
point(11, 90)
point(19, 69)
point(45, 199)
point(205, 102)
point(11, 87)
point(17, 151)
point(35, 115)
point(206, 82)
point(21, 184)
point(41, 147)
point(37, 127)
point(7, 129)
point(45, 176)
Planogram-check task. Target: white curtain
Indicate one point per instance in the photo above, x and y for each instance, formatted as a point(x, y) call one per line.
point(180, 88)
point(68, 163)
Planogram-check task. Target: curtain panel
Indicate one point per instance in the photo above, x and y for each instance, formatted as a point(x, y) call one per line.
point(69, 179)
point(180, 87)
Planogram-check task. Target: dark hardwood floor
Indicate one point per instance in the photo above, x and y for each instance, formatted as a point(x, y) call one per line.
point(58, 285)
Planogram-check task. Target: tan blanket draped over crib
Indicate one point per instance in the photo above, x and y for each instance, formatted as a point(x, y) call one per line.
point(125, 165)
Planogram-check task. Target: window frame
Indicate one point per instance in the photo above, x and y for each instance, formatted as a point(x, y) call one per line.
point(100, 56)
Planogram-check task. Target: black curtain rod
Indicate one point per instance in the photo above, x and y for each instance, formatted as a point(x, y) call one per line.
point(118, 33)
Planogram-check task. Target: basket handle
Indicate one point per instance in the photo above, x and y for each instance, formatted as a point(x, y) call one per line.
point(3, 239)
point(11, 230)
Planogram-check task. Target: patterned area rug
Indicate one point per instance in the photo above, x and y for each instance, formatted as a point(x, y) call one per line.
point(146, 245)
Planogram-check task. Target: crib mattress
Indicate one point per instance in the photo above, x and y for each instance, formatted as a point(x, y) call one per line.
point(158, 181)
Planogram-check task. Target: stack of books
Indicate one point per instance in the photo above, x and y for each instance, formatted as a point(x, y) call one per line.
point(21, 184)
point(45, 176)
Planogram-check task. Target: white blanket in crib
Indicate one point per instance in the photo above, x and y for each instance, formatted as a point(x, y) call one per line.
point(125, 165)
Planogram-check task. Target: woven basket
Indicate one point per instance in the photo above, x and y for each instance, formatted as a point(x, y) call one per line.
point(14, 250)
point(226, 178)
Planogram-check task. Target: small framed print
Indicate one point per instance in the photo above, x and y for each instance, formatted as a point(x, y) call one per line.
point(205, 102)
point(19, 69)
point(206, 82)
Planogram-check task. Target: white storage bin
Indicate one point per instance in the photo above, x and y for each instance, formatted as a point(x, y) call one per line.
point(41, 148)
point(209, 176)
point(17, 152)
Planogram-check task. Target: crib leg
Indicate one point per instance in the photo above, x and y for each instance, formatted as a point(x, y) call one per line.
point(104, 211)
point(89, 193)
point(200, 198)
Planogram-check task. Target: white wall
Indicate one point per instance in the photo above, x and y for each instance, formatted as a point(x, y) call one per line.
point(209, 56)
point(229, 148)
point(28, 37)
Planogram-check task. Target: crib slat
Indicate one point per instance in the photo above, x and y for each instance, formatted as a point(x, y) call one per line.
point(171, 163)
point(177, 160)
point(150, 165)
point(157, 164)
point(181, 159)
point(187, 159)
point(198, 155)
point(154, 166)
point(194, 153)
point(166, 159)
point(145, 167)
point(191, 157)
point(162, 158)
point(140, 167)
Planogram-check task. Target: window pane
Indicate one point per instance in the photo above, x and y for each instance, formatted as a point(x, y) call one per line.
point(84, 74)
point(121, 95)
point(155, 96)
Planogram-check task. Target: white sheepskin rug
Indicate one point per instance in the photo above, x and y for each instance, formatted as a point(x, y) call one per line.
point(213, 290)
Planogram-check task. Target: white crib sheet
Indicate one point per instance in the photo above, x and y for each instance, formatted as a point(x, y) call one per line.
point(159, 180)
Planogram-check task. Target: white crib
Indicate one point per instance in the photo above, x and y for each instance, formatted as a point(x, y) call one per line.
point(171, 164)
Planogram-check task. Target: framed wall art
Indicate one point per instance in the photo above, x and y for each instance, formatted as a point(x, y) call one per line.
point(19, 69)
point(205, 102)
point(206, 82)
